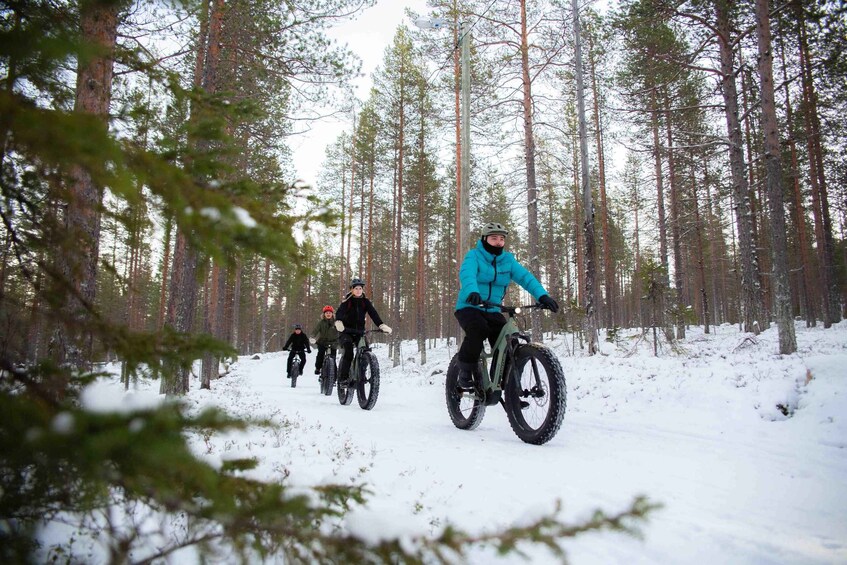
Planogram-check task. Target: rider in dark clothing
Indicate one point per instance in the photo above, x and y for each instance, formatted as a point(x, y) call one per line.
point(298, 344)
point(350, 321)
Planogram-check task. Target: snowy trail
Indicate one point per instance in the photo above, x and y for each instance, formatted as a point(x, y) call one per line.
point(735, 488)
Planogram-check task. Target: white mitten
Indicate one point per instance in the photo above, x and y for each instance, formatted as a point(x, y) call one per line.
point(339, 325)
point(385, 328)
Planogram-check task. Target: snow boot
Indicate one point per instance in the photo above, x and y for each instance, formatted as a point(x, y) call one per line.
point(466, 374)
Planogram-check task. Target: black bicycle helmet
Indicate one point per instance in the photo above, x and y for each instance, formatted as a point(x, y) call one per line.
point(298, 327)
point(357, 282)
point(494, 228)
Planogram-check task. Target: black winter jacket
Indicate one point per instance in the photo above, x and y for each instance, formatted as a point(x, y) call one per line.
point(352, 312)
point(298, 342)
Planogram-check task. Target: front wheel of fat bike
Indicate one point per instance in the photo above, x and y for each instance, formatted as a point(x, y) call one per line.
point(367, 387)
point(535, 396)
point(295, 372)
point(328, 375)
point(346, 388)
point(465, 407)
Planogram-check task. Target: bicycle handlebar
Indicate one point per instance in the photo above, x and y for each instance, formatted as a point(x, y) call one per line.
point(510, 309)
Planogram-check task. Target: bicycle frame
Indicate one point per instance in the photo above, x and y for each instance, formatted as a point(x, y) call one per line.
point(504, 347)
point(361, 345)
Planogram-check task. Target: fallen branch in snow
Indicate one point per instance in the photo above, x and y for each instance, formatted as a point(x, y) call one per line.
point(748, 340)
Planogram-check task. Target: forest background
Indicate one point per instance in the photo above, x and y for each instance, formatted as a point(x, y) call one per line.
point(150, 212)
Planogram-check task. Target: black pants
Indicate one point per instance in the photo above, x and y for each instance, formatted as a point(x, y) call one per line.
point(478, 326)
point(348, 342)
point(300, 353)
point(322, 349)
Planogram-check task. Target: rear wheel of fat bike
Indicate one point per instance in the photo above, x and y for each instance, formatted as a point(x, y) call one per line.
point(465, 407)
point(535, 395)
point(327, 375)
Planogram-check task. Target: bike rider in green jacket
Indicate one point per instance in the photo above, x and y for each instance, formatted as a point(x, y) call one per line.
point(325, 336)
point(486, 272)
point(350, 321)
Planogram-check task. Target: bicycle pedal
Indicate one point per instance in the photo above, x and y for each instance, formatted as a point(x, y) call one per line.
point(524, 404)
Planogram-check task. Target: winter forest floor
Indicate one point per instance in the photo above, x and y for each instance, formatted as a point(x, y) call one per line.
point(745, 450)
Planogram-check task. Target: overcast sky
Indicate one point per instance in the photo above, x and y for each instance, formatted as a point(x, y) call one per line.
point(367, 36)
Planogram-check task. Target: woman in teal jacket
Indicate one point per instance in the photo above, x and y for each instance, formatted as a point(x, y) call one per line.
point(486, 272)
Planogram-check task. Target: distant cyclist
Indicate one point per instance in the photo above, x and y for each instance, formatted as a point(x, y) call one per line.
point(350, 321)
point(325, 336)
point(298, 344)
point(486, 272)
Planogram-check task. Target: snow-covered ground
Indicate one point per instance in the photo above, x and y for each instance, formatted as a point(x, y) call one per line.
point(702, 429)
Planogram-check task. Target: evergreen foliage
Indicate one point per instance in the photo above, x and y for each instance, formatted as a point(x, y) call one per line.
point(128, 480)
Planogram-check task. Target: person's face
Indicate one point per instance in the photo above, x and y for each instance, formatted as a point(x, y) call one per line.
point(297, 330)
point(357, 291)
point(327, 314)
point(496, 240)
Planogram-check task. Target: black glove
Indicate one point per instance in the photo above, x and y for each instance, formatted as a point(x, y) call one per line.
point(474, 298)
point(548, 303)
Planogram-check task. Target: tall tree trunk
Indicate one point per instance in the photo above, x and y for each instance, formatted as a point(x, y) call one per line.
point(750, 288)
point(608, 271)
point(717, 266)
point(773, 167)
point(587, 202)
point(398, 236)
point(236, 335)
point(660, 206)
point(182, 297)
point(529, 156)
point(676, 228)
point(578, 217)
point(457, 86)
point(700, 246)
point(757, 224)
point(166, 256)
point(264, 308)
point(420, 291)
point(805, 279)
point(636, 292)
point(369, 269)
point(348, 260)
point(823, 221)
point(208, 366)
point(72, 344)
point(362, 208)
point(343, 278)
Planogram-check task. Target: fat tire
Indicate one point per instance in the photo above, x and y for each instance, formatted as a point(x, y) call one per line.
point(295, 372)
point(327, 375)
point(345, 391)
point(469, 416)
point(367, 385)
point(555, 397)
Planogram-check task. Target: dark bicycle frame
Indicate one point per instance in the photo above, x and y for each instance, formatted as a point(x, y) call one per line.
point(504, 346)
point(362, 344)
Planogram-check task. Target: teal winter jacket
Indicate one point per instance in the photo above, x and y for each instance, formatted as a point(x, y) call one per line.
point(490, 275)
